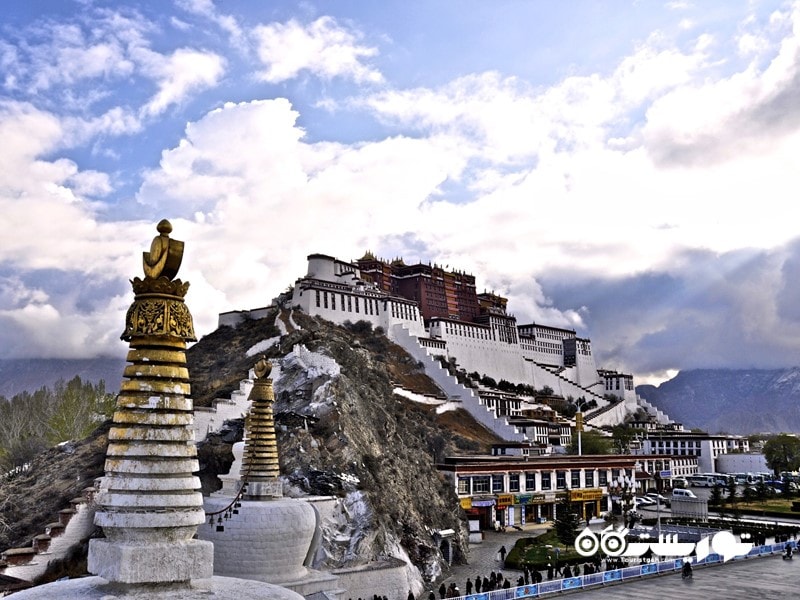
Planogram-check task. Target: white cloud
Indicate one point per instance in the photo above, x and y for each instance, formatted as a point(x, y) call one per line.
point(178, 75)
point(324, 48)
point(227, 23)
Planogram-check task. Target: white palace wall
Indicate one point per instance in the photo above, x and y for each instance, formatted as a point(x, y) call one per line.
point(335, 291)
point(337, 303)
point(475, 349)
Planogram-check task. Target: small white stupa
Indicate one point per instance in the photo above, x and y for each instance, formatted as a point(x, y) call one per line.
point(150, 504)
point(258, 534)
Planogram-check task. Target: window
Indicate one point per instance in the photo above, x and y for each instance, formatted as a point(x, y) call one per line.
point(546, 483)
point(530, 481)
point(325, 298)
point(561, 480)
point(575, 479)
point(602, 477)
point(614, 474)
point(513, 482)
point(498, 485)
point(588, 477)
point(480, 484)
point(463, 485)
point(317, 291)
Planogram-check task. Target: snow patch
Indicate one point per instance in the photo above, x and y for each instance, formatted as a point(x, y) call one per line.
point(313, 364)
point(262, 346)
point(414, 397)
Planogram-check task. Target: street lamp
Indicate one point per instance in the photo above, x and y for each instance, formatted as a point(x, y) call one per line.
point(625, 487)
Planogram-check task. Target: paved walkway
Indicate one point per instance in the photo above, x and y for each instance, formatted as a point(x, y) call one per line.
point(746, 579)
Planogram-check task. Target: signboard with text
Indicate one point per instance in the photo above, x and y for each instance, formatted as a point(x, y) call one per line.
point(585, 495)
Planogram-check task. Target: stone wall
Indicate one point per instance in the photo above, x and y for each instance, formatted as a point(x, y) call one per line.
point(388, 579)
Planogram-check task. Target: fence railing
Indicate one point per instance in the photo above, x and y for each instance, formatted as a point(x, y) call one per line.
point(593, 580)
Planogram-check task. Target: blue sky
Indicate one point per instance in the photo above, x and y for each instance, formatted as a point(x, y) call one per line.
point(628, 169)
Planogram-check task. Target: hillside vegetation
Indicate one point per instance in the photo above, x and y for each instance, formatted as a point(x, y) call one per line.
point(33, 422)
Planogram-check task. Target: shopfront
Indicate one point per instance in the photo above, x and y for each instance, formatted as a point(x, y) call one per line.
point(588, 499)
point(480, 509)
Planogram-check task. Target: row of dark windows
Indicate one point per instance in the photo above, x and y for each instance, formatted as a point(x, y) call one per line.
point(495, 484)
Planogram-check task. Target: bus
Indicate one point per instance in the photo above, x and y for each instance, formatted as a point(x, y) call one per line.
point(702, 480)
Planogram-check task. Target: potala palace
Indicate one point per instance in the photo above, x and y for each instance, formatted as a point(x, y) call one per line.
point(433, 312)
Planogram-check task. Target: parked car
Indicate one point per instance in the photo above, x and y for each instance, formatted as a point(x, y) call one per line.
point(656, 497)
point(644, 501)
point(680, 482)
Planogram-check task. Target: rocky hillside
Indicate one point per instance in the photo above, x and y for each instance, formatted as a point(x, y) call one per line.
point(368, 446)
point(732, 401)
point(373, 449)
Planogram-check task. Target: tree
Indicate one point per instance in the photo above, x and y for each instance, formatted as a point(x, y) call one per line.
point(622, 436)
point(716, 496)
point(783, 453)
point(568, 522)
point(29, 423)
point(591, 443)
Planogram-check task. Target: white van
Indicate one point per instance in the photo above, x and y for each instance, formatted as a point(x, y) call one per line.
point(682, 493)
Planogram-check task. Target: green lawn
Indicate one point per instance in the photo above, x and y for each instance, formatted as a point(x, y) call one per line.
point(539, 551)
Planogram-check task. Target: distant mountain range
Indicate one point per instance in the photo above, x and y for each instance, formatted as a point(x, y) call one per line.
point(739, 401)
point(29, 375)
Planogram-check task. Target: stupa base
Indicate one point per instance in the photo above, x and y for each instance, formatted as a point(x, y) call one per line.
point(218, 588)
point(130, 563)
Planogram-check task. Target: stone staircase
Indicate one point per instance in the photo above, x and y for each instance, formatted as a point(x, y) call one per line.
point(73, 525)
point(208, 420)
point(457, 395)
point(577, 389)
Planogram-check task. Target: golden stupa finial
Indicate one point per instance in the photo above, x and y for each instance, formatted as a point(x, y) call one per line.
point(158, 308)
point(262, 368)
point(165, 256)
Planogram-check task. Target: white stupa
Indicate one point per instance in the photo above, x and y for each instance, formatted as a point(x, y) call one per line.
point(258, 534)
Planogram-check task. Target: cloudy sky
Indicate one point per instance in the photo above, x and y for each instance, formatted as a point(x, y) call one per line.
point(627, 169)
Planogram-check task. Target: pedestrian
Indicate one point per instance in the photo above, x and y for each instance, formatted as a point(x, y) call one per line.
point(410, 595)
point(567, 571)
point(431, 596)
point(478, 582)
point(549, 572)
point(502, 553)
point(486, 582)
point(469, 586)
point(442, 590)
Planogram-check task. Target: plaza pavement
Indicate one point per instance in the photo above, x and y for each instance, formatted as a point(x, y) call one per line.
point(767, 577)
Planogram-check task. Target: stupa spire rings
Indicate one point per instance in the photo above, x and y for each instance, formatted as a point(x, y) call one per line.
point(260, 463)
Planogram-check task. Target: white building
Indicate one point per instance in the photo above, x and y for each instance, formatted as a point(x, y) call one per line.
point(707, 448)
